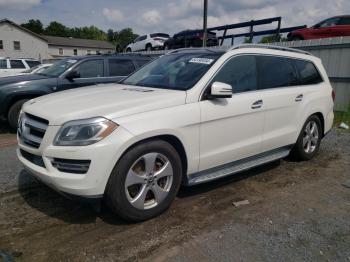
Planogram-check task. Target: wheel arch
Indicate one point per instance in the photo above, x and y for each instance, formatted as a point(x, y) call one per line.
point(14, 99)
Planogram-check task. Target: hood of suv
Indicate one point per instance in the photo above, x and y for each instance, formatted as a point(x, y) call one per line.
point(20, 78)
point(110, 101)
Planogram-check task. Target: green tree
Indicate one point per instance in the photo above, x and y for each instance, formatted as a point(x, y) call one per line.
point(57, 29)
point(124, 37)
point(34, 25)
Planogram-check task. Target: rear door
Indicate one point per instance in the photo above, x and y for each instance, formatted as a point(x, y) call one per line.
point(278, 84)
point(232, 128)
point(91, 72)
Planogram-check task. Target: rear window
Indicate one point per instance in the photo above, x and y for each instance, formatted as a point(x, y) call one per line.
point(120, 67)
point(32, 63)
point(160, 35)
point(3, 64)
point(16, 64)
point(275, 72)
point(308, 74)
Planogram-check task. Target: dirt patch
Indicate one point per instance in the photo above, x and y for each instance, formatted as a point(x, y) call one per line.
point(295, 210)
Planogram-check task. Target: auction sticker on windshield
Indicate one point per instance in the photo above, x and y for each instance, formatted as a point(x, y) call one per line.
point(200, 60)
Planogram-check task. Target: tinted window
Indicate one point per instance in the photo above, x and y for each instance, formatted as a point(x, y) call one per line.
point(308, 73)
point(240, 73)
point(91, 68)
point(59, 67)
point(330, 22)
point(275, 72)
point(17, 64)
point(141, 62)
point(160, 35)
point(3, 64)
point(120, 67)
point(344, 21)
point(32, 63)
point(142, 38)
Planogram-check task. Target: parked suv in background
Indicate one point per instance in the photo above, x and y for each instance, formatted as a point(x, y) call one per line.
point(10, 67)
point(331, 27)
point(148, 42)
point(190, 38)
point(189, 117)
point(66, 74)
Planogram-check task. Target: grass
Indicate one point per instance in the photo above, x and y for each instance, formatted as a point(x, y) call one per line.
point(342, 117)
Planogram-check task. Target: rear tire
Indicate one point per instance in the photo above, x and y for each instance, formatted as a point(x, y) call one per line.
point(13, 113)
point(136, 192)
point(128, 50)
point(309, 140)
point(148, 47)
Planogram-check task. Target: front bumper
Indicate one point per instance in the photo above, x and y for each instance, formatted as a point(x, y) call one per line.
point(102, 155)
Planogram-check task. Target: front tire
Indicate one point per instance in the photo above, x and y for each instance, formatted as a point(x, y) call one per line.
point(148, 47)
point(13, 113)
point(309, 139)
point(145, 181)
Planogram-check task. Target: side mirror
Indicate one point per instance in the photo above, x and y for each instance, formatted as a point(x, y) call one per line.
point(72, 75)
point(220, 90)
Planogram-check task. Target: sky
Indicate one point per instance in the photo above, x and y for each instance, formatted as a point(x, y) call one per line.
point(169, 16)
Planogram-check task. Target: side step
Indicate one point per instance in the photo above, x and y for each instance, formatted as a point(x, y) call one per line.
point(237, 166)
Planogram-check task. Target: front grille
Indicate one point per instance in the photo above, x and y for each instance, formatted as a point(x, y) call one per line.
point(36, 160)
point(71, 166)
point(31, 129)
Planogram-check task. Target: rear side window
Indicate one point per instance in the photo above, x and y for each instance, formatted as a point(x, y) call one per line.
point(308, 74)
point(120, 67)
point(3, 64)
point(16, 64)
point(239, 72)
point(344, 21)
point(32, 63)
point(91, 68)
point(275, 72)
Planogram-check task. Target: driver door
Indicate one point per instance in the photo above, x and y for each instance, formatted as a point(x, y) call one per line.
point(232, 128)
point(91, 72)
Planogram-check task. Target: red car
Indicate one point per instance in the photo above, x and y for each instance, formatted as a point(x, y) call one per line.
point(331, 27)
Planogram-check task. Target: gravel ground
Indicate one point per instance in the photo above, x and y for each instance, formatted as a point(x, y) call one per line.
point(297, 211)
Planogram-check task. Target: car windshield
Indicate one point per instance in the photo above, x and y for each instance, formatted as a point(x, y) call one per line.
point(58, 68)
point(31, 69)
point(179, 71)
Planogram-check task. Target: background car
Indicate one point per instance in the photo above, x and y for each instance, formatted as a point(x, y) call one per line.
point(148, 42)
point(66, 74)
point(190, 38)
point(36, 69)
point(331, 27)
point(9, 67)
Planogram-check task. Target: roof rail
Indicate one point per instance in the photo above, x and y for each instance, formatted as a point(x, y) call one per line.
point(273, 47)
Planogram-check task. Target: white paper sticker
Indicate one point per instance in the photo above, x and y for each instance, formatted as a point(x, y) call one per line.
point(199, 60)
point(72, 61)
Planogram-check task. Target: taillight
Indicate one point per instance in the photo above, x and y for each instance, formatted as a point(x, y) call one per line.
point(333, 95)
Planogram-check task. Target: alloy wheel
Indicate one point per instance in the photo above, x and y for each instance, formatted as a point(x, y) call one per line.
point(310, 138)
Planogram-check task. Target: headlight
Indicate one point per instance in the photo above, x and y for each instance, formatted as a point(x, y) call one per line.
point(84, 132)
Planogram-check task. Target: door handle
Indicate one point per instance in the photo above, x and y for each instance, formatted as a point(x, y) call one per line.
point(299, 98)
point(257, 104)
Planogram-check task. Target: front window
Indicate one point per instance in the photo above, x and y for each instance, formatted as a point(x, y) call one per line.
point(58, 68)
point(178, 71)
point(16, 45)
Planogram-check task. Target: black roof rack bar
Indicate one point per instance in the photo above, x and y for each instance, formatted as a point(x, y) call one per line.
point(273, 47)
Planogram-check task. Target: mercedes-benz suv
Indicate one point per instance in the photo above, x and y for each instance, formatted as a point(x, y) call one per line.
point(189, 117)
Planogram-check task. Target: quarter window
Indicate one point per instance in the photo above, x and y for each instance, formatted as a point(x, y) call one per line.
point(3, 64)
point(239, 72)
point(275, 72)
point(32, 63)
point(16, 64)
point(16, 45)
point(91, 68)
point(308, 74)
point(120, 67)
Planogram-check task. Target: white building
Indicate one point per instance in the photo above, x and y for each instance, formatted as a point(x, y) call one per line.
point(18, 42)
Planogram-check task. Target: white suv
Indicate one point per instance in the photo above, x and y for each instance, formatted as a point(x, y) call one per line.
point(189, 117)
point(148, 42)
point(10, 67)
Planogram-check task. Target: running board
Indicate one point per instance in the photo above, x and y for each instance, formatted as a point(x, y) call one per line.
point(237, 166)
